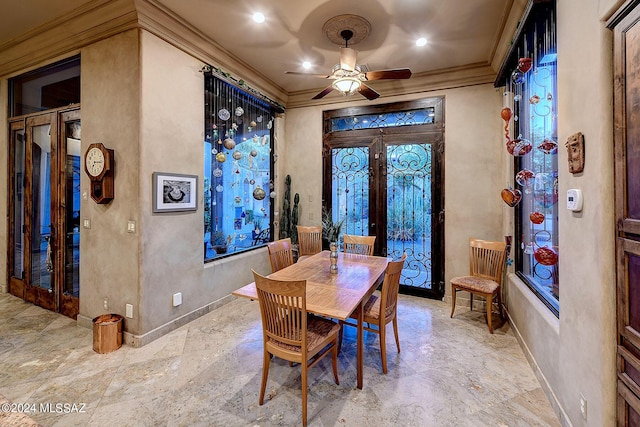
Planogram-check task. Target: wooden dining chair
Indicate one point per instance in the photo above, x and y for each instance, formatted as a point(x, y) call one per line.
point(381, 308)
point(486, 263)
point(292, 334)
point(280, 254)
point(309, 241)
point(362, 245)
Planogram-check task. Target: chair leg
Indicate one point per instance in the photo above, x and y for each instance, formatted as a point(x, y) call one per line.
point(395, 331)
point(334, 362)
point(304, 393)
point(454, 292)
point(383, 346)
point(489, 311)
point(265, 372)
point(471, 301)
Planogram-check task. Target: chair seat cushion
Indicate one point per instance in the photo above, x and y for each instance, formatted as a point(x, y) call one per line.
point(475, 283)
point(318, 329)
point(371, 309)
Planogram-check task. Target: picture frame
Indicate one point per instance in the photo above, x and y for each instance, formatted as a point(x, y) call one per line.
point(174, 192)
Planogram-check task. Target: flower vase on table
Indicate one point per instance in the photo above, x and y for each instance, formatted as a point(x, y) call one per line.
point(333, 257)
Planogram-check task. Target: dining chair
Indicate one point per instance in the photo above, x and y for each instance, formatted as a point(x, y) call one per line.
point(362, 245)
point(486, 263)
point(381, 308)
point(280, 254)
point(292, 334)
point(309, 240)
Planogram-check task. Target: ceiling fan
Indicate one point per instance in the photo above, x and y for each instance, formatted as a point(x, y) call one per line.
point(348, 77)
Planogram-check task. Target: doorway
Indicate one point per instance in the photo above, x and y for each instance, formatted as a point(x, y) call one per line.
point(383, 172)
point(626, 33)
point(44, 206)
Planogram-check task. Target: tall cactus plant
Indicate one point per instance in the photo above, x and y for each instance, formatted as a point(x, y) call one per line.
point(294, 220)
point(285, 224)
point(289, 219)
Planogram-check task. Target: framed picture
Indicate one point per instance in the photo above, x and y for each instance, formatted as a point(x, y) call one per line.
point(174, 192)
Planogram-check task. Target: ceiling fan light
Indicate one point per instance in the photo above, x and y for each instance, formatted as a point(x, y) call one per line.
point(346, 85)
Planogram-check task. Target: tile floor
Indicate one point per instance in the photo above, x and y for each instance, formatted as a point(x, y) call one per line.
point(451, 372)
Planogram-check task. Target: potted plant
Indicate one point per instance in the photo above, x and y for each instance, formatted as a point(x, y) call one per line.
point(218, 242)
point(330, 229)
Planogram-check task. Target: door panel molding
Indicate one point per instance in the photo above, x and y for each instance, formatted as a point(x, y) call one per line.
point(626, 90)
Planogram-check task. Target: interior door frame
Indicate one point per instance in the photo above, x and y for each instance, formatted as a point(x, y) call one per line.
point(628, 228)
point(377, 139)
point(22, 287)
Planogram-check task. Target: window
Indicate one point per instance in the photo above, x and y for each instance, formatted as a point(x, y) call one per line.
point(238, 166)
point(53, 86)
point(531, 79)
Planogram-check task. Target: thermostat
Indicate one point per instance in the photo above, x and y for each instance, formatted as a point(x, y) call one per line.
point(574, 200)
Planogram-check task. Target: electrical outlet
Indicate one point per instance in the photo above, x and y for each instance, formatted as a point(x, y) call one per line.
point(129, 311)
point(583, 406)
point(105, 304)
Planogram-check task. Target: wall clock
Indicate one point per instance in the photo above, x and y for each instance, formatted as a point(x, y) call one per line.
point(99, 164)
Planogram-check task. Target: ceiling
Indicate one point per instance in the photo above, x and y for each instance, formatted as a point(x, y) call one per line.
point(459, 33)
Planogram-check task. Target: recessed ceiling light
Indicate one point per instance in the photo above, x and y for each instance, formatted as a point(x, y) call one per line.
point(421, 41)
point(258, 17)
point(306, 65)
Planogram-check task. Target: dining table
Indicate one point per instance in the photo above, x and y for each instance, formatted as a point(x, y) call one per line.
point(336, 295)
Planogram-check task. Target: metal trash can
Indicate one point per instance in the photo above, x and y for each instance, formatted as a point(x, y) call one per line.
point(107, 333)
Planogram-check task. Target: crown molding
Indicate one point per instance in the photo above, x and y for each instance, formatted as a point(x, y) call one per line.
point(447, 78)
point(160, 21)
point(100, 19)
point(85, 25)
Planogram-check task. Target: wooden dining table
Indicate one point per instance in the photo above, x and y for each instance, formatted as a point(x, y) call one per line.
point(334, 295)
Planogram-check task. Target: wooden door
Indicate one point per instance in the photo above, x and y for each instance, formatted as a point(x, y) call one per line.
point(386, 178)
point(44, 206)
point(627, 199)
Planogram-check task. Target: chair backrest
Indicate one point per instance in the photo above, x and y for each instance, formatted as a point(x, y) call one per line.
point(280, 254)
point(362, 245)
point(390, 288)
point(283, 308)
point(486, 259)
point(309, 240)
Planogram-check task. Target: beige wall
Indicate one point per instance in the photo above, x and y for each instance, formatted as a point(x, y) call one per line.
point(109, 261)
point(131, 103)
point(575, 354)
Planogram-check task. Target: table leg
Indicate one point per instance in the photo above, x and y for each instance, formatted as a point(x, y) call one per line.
point(360, 351)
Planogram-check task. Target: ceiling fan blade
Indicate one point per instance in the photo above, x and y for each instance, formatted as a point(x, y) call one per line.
point(348, 58)
point(325, 92)
point(367, 92)
point(403, 73)
point(322, 76)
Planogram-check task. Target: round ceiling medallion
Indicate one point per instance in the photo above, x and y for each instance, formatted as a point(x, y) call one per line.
point(359, 26)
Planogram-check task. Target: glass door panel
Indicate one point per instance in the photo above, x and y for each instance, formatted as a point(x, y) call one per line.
point(409, 211)
point(18, 150)
point(41, 224)
point(350, 189)
point(71, 284)
point(387, 186)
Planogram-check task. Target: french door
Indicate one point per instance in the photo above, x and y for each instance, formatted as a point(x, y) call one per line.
point(627, 197)
point(44, 206)
point(388, 182)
